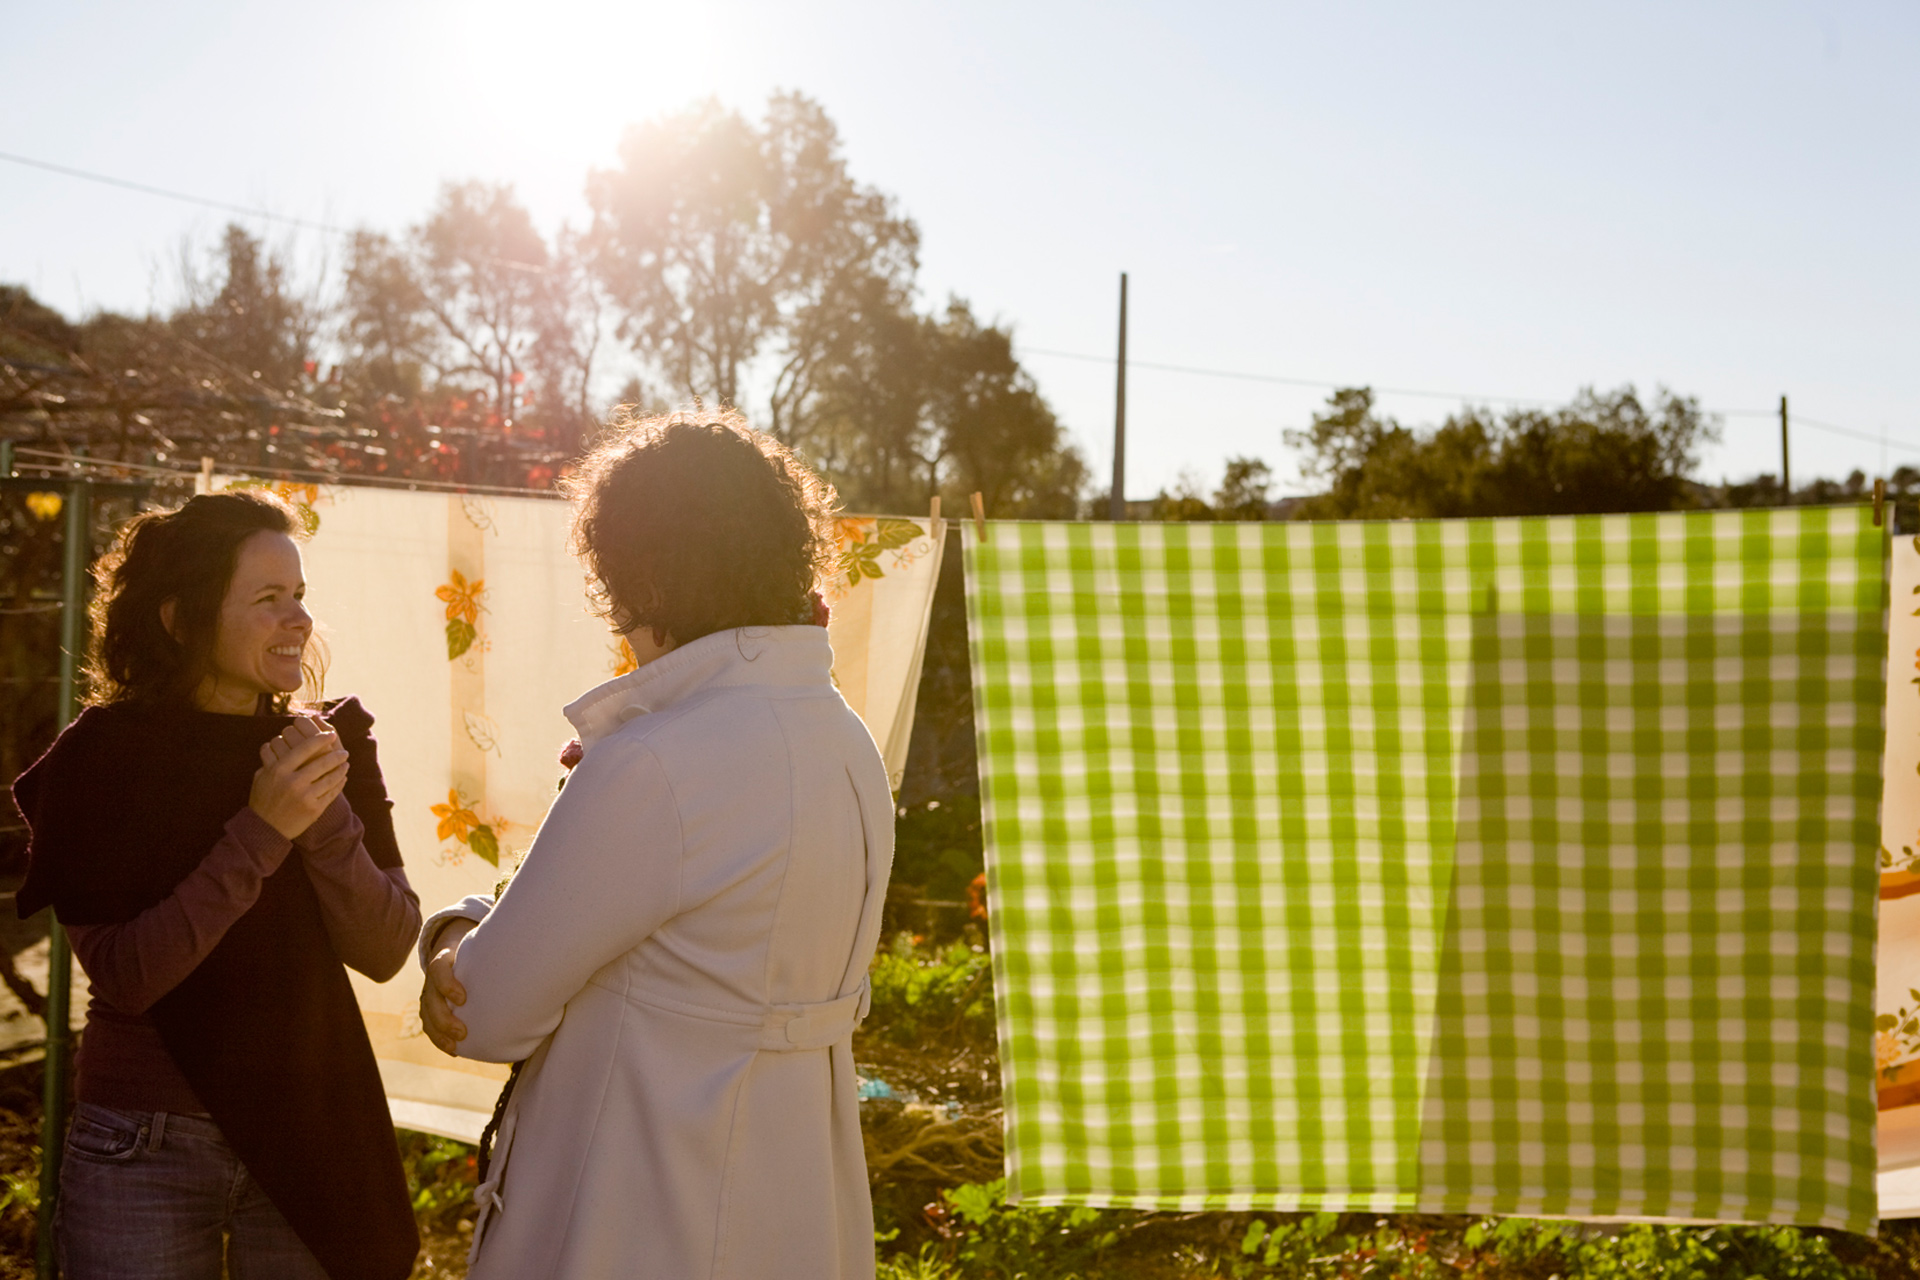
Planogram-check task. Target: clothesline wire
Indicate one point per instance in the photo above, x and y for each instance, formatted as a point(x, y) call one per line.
point(292, 473)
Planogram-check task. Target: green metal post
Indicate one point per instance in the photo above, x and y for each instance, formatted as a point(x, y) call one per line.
point(53, 1097)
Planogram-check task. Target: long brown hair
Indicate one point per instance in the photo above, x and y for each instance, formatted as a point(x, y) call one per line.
point(186, 556)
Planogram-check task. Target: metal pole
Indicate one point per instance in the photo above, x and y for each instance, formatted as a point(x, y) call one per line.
point(53, 1095)
point(1117, 502)
point(1786, 472)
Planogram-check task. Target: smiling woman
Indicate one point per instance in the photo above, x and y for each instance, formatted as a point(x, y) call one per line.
point(217, 854)
point(205, 604)
point(263, 630)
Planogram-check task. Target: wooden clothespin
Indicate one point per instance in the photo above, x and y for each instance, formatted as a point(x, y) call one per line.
point(936, 527)
point(1879, 501)
point(980, 516)
point(206, 474)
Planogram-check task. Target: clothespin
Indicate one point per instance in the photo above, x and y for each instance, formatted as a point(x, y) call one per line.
point(980, 516)
point(1879, 501)
point(206, 474)
point(936, 527)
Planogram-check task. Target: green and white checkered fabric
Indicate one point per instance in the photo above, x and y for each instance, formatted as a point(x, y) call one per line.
point(1512, 866)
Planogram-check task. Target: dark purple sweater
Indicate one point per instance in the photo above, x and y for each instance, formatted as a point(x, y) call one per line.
point(144, 843)
point(372, 916)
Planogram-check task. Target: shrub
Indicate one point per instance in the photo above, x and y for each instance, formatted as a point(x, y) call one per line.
point(440, 1179)
point(921, 994)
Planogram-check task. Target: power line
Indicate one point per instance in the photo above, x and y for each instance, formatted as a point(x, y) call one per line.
point(226, 207)
point(108, 180)
point(1458, 396)
point(1191, 370)
point(1886, 442)
point(1242, 376)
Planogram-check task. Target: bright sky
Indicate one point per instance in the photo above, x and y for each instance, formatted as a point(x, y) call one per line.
point(1503, 200)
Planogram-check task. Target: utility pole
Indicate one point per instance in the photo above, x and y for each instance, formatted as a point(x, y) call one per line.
point(1786, 472)
point(1117, 501)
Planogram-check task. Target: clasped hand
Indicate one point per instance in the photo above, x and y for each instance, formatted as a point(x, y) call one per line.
point(443, 991)
point(301, 772)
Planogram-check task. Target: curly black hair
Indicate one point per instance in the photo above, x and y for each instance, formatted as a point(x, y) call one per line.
point(692, 522)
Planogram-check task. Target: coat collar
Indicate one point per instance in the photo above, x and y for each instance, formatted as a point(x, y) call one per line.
point(793, 657)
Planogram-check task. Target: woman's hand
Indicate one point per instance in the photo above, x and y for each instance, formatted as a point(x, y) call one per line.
point(301, 772)
point(443, 991)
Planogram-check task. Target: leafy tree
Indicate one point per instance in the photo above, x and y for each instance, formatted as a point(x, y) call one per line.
point(1243, 490)
point(384, 327)
point(871, 430)
point(1182, 500)
point(29, 329)
point(991, 430)
point(1603, 452)
point(907, 406)
point(725, 242)
point(1242, 494)
point(242, 311)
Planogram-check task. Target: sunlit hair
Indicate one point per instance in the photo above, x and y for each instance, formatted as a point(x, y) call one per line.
point(186, 555)
point(692, 522)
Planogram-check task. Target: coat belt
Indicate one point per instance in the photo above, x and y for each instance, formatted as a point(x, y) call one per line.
point(781, 1028)
point(790, 1027)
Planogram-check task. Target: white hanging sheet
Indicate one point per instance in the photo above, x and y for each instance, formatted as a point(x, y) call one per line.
point(461, 622)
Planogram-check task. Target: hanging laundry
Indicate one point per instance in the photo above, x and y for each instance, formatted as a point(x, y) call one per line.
point(461, 621)
point(1896, 1007)
point(1517, 866)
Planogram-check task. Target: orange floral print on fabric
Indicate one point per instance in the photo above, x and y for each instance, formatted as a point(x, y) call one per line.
point(863, 539)
point(463, 611)
point(459, 822)
point(456, 820)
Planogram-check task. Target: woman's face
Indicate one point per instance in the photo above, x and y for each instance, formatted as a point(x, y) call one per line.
point(263, 628)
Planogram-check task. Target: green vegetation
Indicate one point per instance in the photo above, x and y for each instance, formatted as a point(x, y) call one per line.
point(440, 1178)
point(979, 1237)
point(916, 992)
point(20, 1188)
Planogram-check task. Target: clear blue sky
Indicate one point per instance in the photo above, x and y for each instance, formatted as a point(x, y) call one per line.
point(1506, 200)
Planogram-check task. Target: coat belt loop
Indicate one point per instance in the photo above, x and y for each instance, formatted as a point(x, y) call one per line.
point(815, 1026)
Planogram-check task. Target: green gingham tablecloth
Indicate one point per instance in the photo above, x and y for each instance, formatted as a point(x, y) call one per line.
point(1510, 866)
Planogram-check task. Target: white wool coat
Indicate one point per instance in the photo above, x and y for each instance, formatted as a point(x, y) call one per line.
point(682, 958)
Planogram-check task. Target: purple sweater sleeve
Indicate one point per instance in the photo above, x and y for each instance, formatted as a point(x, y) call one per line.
point(372, 914)
point(133, 964)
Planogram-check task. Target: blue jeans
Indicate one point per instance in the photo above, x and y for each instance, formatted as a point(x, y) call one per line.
point(148, 1194)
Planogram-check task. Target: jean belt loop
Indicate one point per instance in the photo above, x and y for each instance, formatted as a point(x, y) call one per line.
point(157, 1134)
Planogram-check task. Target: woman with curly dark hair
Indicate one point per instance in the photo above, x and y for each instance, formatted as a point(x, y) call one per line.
point(680, 960)
point(217, 853)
